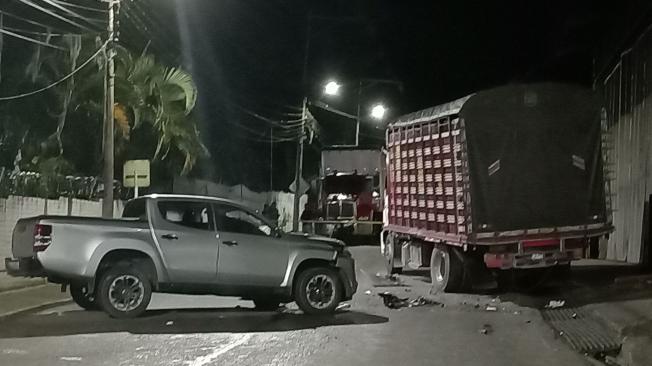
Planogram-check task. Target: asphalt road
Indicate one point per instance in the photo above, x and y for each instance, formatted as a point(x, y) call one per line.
point(208, 330)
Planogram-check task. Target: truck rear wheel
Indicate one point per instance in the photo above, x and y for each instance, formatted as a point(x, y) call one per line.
point(124, 291)
point(446, 270)
point(81, 297)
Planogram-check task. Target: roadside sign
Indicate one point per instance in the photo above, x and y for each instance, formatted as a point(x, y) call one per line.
point(136, 174)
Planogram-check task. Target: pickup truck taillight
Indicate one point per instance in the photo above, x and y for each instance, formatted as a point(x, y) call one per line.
point(42, 237)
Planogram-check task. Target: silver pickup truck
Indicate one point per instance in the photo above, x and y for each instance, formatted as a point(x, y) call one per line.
point(182, 244)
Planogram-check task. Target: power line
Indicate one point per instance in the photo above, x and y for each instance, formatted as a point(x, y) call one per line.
point(52, 14)
point(27, 20)
point(73, 72)
point(19, 30)
point(153, 30)
point(68, 11)
point(279, 124)
point(79, 6)
point(25, 38)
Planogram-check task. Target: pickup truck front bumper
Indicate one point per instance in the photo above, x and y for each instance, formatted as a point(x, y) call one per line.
point(346, 266)
point(24, 267)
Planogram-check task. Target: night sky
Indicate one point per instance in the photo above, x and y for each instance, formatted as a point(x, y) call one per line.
point(249, 55)
point(248, 58)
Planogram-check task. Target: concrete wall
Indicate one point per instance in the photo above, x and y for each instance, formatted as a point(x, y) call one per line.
point(627, 90)
point(13, 208)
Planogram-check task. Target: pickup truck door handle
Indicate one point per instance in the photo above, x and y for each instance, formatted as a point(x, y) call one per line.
point(170, 236)
point(230, 242)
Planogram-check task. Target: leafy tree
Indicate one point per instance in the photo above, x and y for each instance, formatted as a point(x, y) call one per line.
point(163, 98)
point(153, 111)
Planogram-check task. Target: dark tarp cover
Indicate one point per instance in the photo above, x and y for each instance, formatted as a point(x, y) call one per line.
point(534, 157)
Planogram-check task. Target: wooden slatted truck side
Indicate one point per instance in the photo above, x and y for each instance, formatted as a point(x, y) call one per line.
point(508, 178)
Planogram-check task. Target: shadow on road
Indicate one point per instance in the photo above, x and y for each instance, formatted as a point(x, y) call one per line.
point(585, 285)
point(175, 322)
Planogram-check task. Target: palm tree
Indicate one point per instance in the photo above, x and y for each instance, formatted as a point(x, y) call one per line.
point(161, 97)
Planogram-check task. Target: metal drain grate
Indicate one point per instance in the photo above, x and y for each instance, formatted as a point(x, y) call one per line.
point(583, 333)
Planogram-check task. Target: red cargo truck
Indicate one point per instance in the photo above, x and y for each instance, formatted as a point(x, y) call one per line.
point(505, 178)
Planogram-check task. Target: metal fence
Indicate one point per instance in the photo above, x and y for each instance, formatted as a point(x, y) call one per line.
point(32, 184)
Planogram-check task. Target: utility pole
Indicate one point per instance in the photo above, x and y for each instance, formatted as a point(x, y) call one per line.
point(108, 148)
point(304, 115)
point(357, 116)
point(271, 160)
point(299, 167)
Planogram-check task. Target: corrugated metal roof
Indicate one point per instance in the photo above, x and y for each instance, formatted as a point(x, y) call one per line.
point(431, 113)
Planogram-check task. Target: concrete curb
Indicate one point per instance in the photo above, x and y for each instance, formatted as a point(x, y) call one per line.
point(21, 286)
point(30, 299)
point(31, 308)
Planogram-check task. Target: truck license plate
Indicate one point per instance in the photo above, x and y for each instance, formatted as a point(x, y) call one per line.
point(537, 256)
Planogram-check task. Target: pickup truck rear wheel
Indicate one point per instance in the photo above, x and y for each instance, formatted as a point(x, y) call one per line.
point(81, 297)
point(124, 291)
point(318, 290)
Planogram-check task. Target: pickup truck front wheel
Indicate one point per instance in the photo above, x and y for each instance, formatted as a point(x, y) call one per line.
point(318, 290)
point(124, 292)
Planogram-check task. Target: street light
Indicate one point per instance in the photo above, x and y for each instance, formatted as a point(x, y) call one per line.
point(378, 111)
point(332, 88)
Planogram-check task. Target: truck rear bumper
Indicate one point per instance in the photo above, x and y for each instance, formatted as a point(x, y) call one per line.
point(24, 267)
point(532, 259)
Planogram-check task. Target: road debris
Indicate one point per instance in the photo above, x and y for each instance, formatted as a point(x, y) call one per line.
point(421, 301)
point(368, 292)
point(343, 306)
point(486, 329)
point(394, 302)
point(491, 308)
point(553, 304)
point(170, 322)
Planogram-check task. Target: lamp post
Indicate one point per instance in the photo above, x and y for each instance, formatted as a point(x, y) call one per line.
point(378, 110)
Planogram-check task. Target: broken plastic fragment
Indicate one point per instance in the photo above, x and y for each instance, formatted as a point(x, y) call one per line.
point(343, 306)
point(486, 329)
point(553, 304)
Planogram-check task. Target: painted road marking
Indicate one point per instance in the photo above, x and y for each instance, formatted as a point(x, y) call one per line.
point(70, 358)
point(217, 352)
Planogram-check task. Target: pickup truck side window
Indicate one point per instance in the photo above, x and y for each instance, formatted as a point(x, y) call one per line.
point(196, 215)
point(235, 220)
point(135, 209)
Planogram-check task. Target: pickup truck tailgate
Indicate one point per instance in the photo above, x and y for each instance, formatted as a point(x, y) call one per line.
point(22, 240)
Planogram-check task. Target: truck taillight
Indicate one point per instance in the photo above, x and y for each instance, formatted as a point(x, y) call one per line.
point(42, 237)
